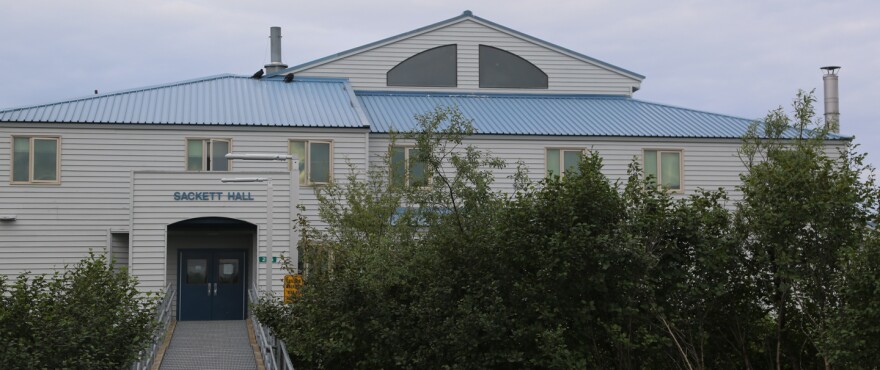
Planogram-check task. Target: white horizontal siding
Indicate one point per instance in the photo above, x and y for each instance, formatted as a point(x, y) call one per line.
point(708, 163)
point(154, 209)
point(59, 224)
point(566, 75)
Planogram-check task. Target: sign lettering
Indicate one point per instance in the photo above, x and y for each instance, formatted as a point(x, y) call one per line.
point(213, 196)
point(292, 287)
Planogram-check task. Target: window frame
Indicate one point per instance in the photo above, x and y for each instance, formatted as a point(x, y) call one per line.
point(31, 162)
point(406, 170)
point(561, 150)
point(308, 163)
point(658, 178)
point(206, 153)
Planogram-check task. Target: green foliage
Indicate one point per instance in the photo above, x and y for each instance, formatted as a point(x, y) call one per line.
point(89, 316)
point(580, 272)
point(803, 215)
point(853, 340)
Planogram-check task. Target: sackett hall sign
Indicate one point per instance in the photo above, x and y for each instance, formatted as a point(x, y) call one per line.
point(213, 195)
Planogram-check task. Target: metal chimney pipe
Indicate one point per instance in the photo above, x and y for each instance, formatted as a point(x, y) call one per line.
point(275, 42)
point(832, 99)
point(275, 38)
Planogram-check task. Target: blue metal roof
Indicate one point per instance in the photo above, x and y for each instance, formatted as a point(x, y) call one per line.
point(564, 115)
point(216, 100)
point(465, 15)
point(323, 102)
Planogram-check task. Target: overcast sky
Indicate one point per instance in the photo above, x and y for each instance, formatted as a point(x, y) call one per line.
point(741, 58)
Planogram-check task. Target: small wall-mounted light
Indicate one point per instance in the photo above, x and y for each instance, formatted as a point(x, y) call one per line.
point(7, 218)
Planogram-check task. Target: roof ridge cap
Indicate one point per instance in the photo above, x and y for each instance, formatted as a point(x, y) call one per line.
point(126, 91)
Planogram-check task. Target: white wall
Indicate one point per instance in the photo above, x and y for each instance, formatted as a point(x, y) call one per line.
point(58, 224)
point(708, 163)
point(566, 74)
point(154, 208)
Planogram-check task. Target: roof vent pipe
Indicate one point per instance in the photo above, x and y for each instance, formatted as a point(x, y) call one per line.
point(275, 42)
point(832, 99)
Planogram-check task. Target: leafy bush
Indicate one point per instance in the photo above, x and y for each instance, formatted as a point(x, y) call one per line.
point(89, 316)
point(579, 272)
point(803, 220)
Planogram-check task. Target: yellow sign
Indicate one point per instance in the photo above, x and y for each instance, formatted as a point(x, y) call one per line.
point(292, 287)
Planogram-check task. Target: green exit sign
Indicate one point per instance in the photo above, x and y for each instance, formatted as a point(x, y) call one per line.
point(263, 259)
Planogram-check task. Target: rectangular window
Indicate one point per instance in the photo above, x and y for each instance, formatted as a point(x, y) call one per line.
point(207, 154)
point(560, 161)
point(407, 169)
point(665, 167)
point(315, 160)
point(35, 160)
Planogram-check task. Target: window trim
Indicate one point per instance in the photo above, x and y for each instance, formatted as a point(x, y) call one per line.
point(657, 179)
point(206, 154)
point(31, 162)
point(308, 163)
point(561, 158)
point(406, 162)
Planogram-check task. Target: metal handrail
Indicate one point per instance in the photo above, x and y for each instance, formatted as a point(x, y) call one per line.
point(163, 317)
point(275, 356)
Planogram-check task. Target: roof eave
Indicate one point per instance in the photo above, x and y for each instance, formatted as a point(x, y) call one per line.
point(558, 48)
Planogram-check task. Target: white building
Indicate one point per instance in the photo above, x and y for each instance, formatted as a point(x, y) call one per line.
point(138, 173)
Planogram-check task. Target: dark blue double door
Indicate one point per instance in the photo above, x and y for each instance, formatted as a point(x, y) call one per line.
point(212, 285)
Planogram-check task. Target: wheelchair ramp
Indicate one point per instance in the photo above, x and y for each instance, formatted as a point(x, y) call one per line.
point(214, 345)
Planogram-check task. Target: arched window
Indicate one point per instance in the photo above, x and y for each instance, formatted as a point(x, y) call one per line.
point(436, 67)
point(503, 69)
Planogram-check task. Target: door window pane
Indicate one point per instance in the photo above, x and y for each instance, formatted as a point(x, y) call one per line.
point(553, 162)
point(194, 150)
point(45, 159)
point(228, 271)
point(670, 168)
point(196, 271)
point(219, 149)
point(21, 160)
point(298, 148)
point(319, 162)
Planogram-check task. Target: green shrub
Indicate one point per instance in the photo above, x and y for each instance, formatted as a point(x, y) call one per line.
point(580, 272)
point(88, 316)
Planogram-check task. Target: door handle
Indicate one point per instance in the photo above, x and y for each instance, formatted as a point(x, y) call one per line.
point(215, 289)
point(209, 289)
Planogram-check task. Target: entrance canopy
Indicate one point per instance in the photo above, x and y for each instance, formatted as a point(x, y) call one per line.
point(212, 223)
